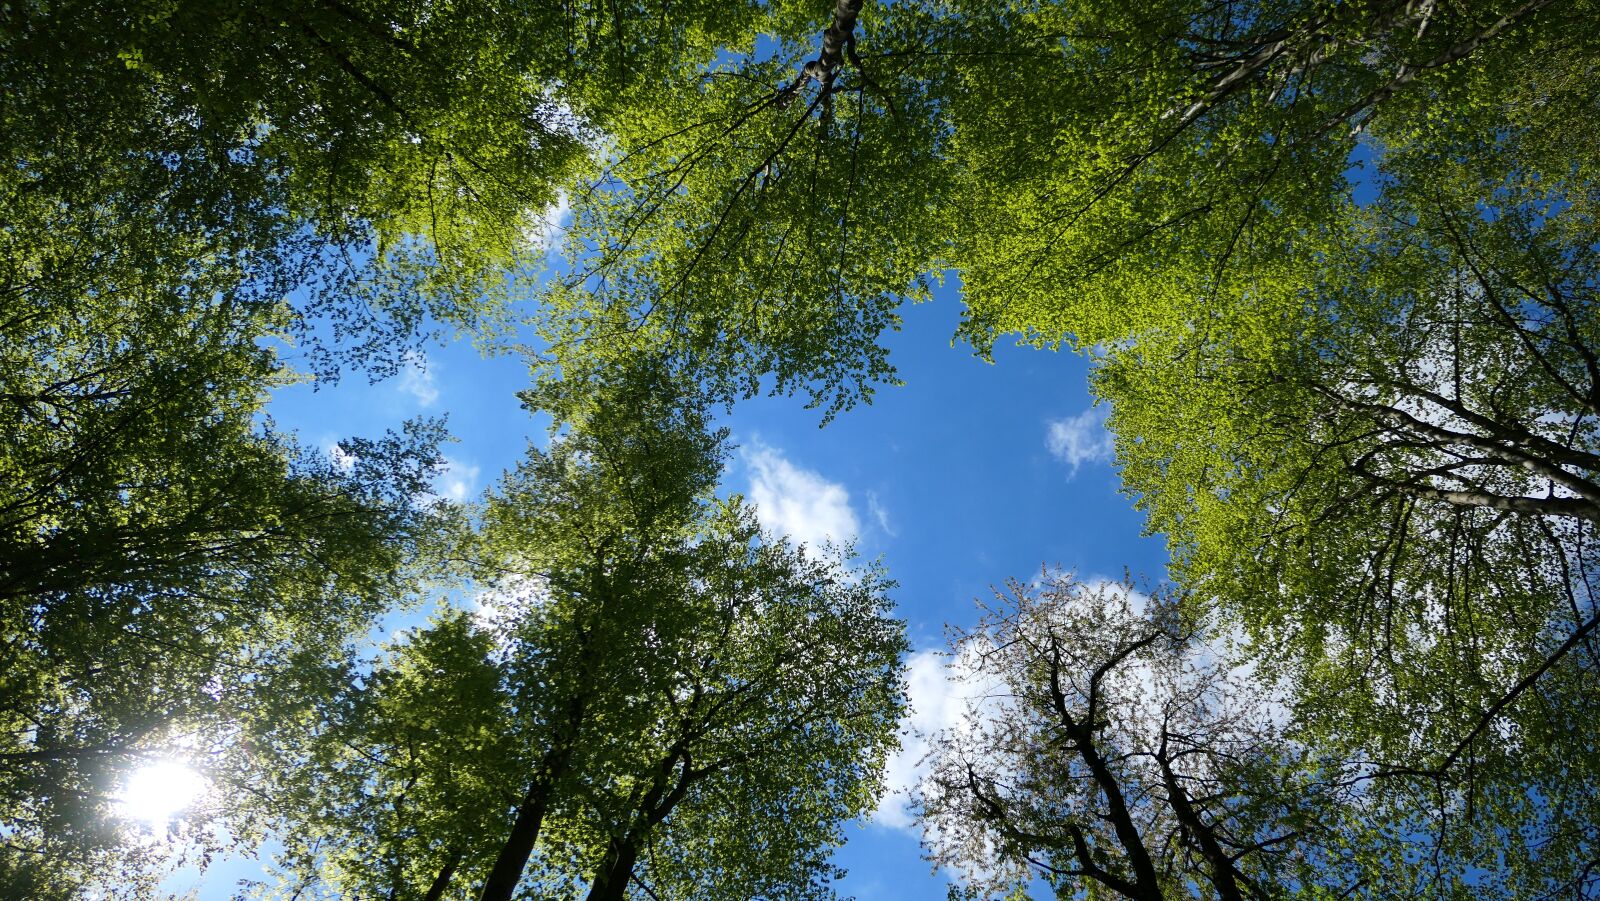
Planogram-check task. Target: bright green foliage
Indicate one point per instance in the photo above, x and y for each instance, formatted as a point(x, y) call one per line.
point(1391, 478)
point(774, 704)
point(721, 678)
point(650, 684)
point(741, 221)
point(394, 161)
point(1090, 170)
point(397, 781)
point(1132, 166)
point(1367, 429)
point(165, 557)
point(1367, 426)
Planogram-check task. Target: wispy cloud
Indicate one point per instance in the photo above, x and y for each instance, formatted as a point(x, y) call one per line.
point(1080, 439)
point(457, 480)
point(798, 502)
point(881, 514)
point(551, 226)
point(417, 380)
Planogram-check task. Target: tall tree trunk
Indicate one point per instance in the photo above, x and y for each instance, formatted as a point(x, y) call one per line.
point(518, 847)
point(610, 881)
point(442, 881)
point(513, 858)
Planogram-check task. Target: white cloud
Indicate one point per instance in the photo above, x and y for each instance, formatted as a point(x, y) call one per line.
point(1080, 439)
point(457, 481)
point(416, 379)
point(946, 695)
point(797, 502)
point(550, 226)
point(342, 460)
point(881, 514)
point(936, 705)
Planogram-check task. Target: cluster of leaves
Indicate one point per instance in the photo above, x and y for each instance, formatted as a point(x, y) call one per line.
point(652, 694)
point(739, 220)
point(1089, 170)
point(178, 576)
point(390, 162)
point(166, 559)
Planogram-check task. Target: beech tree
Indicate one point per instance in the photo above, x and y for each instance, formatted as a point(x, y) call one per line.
point(172, 173)
point(651, 677)
point(396, 161)
point(389, 782)
point(166, 559)
point(1088, 170)
point(1109, 753)
point(1387, 486)
point(1337, 260)
point(770, 732)
point(603, 519)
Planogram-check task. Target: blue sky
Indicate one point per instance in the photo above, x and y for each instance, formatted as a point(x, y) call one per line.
point(970, 474)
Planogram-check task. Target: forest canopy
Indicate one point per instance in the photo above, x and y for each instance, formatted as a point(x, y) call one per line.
point(1334, 265)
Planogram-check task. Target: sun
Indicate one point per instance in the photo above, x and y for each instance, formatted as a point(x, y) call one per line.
point(156, 792)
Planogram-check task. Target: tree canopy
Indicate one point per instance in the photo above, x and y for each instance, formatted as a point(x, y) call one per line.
point(1089, 171)
point(1335, 264)
point(167, 561)
point(649, 684)
point(1113, 753)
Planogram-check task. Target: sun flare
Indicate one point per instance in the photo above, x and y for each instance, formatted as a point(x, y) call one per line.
point(155, 793)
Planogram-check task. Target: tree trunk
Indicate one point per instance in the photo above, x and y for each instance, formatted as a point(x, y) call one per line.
point(518, 847)
point(611, 879)
point(1147, 882)
point(501, 882)
point(610, 882)
point(442, 881)
point(1223, 876)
